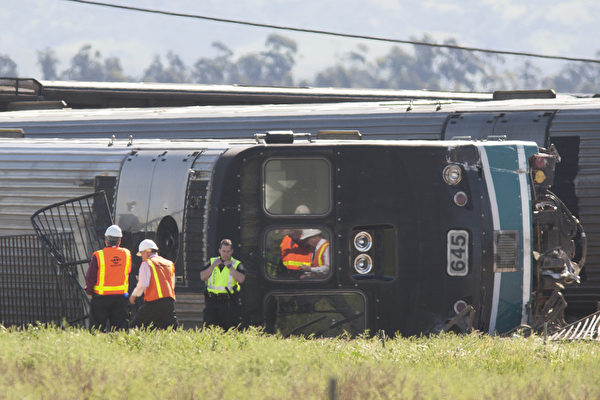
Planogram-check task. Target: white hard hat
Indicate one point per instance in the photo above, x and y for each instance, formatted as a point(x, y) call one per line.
point(146, 244)
point(113, 231)
point(302, 209)
point(307, 233)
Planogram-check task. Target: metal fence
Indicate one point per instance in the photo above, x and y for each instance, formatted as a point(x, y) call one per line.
point(33, 288)
point(73, 229)
point(42, 275)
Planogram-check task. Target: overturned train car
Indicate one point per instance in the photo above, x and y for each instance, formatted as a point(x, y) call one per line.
point(423, 236)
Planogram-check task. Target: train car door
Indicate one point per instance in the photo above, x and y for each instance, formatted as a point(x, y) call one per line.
point(151, 198)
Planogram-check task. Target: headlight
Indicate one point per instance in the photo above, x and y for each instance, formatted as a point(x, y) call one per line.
point(452, 174)
point(363, 241)
point(363, 264)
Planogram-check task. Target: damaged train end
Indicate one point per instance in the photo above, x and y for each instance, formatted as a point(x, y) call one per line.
point(405, 237)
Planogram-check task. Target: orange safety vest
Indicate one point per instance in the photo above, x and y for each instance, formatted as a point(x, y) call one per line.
point(293, 255)
point(114, 266)
point(319, 255)
point(161, 279)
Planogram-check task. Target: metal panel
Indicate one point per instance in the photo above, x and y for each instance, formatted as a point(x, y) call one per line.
point(170, 180)
point(34, 175)
point(576, 122)
point(476, 125)
point(141, 202)
point(524, 125)
point(585, 124)
point(520, 125)
point(587, 188)
point(135, 183)
point(205, 169)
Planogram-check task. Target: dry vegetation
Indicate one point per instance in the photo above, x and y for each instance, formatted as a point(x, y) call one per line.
point(53, 363)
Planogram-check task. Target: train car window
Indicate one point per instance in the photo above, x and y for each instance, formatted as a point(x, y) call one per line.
point(321, 314)
point(293, 183)
point(298, 254)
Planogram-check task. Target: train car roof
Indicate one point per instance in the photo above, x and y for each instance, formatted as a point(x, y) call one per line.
point(241, 111)
point(249, 90)
point(19, 93)
point(423, 119)
point(120, 145)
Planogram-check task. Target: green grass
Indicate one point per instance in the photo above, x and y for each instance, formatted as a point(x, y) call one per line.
point(53, 363)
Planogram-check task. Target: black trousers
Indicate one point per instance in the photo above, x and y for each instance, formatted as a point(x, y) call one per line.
point(223, 313)
point(157, 314)
point(108, 312)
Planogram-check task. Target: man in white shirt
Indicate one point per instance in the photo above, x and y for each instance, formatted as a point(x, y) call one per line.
point(157, 283)
point(319, 265)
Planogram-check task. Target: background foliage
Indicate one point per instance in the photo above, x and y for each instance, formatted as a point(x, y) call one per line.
point(422, 68)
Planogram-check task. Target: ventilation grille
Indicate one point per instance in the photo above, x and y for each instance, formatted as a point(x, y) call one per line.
point(506, 251)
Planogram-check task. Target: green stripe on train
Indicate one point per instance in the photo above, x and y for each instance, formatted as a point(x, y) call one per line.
point(504, 168)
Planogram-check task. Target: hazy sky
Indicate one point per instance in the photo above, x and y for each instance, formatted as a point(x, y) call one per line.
point(566, 28)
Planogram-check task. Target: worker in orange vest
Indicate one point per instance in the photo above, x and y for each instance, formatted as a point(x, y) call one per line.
point(107, 283)
point(157, 283)
point(294, 255)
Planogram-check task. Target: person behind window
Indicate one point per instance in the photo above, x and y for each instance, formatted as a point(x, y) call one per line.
point(319, 265)
point(295, 254)
point(223, 276)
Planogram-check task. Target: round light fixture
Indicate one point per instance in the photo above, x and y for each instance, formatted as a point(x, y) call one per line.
point(363, 241)
point(452, 174)
point(363, 264)
point(461, 199)
point(459, 306)
point(540, 177)
point(540, 161)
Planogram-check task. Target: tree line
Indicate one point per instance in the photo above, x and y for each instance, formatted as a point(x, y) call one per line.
point(431, 68)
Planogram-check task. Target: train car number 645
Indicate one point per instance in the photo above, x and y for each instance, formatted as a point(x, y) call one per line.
point(458, 253)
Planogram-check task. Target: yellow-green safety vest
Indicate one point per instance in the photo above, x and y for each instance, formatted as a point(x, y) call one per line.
point(220, 281)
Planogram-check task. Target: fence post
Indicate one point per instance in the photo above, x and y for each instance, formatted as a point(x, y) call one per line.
point(333, 389)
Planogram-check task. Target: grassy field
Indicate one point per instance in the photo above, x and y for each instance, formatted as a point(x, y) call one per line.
point(49, 363)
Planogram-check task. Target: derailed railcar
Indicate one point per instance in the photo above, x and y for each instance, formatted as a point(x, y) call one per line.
point(448, 225)
point(423, 236)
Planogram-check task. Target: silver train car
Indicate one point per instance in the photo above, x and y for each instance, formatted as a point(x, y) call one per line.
point(571, 124)
point(424, 236)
